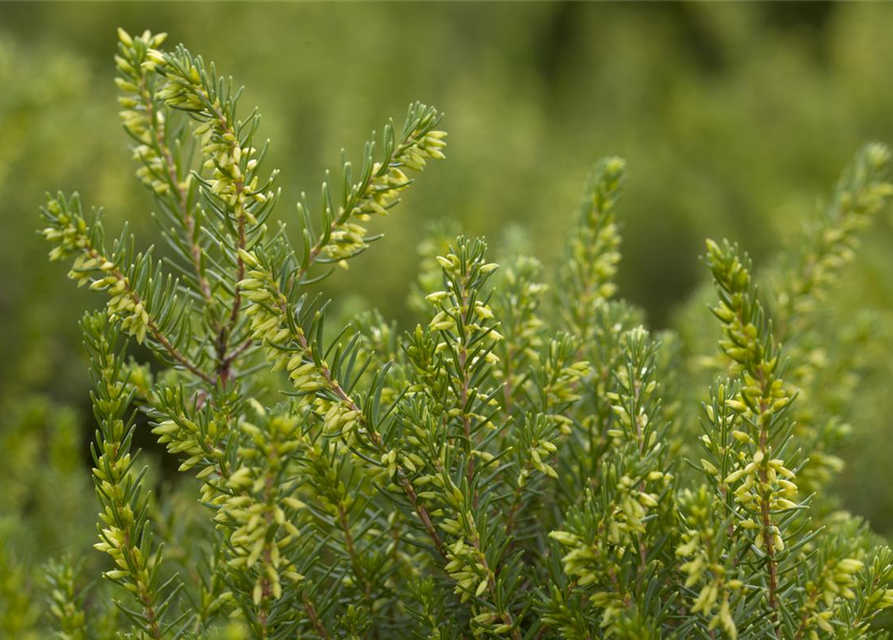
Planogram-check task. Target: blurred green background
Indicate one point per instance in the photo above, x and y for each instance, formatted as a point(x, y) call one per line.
point(735, 120)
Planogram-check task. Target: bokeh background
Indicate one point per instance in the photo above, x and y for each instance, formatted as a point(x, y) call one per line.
point(735, 120)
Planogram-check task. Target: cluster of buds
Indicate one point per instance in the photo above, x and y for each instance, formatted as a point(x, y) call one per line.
point(519, 295)
point(467, 561)
point(702, 548)
point(631, 506)
point(180, 92)
point(71, 234)
point(338, 415)
point(561, 374)
point(431, 145)
point(595, 532)
point(614, 521)
point(319, 465)
point(346, 241)
point(535, 447)
point(181, 437)
point(269, 327)
point(381, 190)
point(198, 436)
point(634, 399)
point(388, 179)
point(425, 356)
point(762, 485)
point(579, 559)
point(142, 120)
point(464, 332)
point(742, 324)
point(265, 301)
point(68, 228)
point(540, 449)
point(467, 566)
point(455, 307)
point(836, 579)
point(233, 161)
point(124, 304)
point(233, 170)
point(111, 474)
point(123, 523)
point(636, 408)
point(618, 522)
point(255, 509)
point(763, 481)
point(588, 275)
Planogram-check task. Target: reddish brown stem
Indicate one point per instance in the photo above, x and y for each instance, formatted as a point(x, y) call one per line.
point(314, 617)
point(376, 440)
point(195, 250)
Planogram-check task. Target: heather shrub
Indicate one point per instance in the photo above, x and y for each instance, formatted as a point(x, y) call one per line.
point(528, 462)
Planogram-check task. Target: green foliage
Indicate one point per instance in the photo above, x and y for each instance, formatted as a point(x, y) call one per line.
point(509, 468)
point(728, 136)
point(67, 601)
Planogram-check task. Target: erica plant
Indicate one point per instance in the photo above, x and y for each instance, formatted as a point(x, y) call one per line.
point(527, 462)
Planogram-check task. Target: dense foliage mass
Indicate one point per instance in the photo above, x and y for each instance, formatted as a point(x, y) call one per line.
point(529, 462)
point(726, 135)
